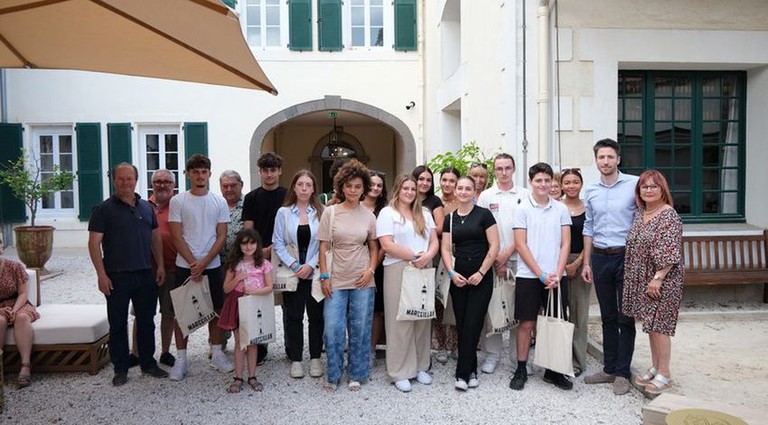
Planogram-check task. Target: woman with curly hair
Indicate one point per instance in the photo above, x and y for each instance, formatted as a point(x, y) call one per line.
point(348, 231)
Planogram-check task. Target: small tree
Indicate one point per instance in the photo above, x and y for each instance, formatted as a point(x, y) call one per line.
point(28, 183)
point(462, 160)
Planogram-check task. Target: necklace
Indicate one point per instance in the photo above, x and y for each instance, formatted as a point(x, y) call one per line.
point(463, 218)
point(653, 210)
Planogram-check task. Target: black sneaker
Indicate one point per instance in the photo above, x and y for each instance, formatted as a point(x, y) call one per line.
point(133, 360)
point(120, 378)
point(167, 359)
point(519, 379)
point(557, 379)
point(155, 372)
point(261, 354)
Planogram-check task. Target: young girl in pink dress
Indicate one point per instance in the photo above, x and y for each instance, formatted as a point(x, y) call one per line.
point(248, 273)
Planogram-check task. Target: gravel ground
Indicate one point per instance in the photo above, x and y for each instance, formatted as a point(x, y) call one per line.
point(201, 398)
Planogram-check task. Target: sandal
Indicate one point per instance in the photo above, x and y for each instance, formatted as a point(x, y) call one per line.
point(255, 384)
point(24, 379)
point(236, 386)
point(658, 384)
point(354, 386)
point(644, 379)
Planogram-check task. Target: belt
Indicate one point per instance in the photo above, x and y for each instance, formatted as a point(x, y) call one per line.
point(609, 251)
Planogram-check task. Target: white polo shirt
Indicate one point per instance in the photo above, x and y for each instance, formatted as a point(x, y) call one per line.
point(502, 204)
point(543, 224)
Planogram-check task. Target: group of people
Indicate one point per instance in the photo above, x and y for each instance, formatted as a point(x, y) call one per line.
point(350, 253)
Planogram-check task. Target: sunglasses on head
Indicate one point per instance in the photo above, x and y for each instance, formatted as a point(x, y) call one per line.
point(478, 164)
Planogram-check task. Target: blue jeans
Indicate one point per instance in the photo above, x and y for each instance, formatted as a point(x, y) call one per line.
point(618, 329)
point(357, 305)
point(139, 288)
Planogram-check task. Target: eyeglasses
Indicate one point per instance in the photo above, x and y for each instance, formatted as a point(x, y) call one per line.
point(649, 187)
point(571, 170)
point(162, 182)
point(479, 164)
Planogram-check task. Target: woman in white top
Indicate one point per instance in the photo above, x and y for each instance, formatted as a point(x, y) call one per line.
point(406, 232)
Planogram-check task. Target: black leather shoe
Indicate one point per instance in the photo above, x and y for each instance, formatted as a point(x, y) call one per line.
point(519, 379)
point(120, 378)
point(557, 379)
point(155, 372)
point(167, 359)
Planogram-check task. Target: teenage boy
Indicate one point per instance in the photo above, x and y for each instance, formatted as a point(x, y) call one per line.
point(259, 210)
point(198, 222)
point(543, 240)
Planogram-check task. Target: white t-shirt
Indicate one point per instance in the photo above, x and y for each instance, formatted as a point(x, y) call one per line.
point(199, 216)
point(543, 225)
point(392, 223)
point(502, 204)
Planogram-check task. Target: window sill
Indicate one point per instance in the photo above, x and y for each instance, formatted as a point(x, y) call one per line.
point(721, 229)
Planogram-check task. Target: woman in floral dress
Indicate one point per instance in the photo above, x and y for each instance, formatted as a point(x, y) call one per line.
point(653, 274)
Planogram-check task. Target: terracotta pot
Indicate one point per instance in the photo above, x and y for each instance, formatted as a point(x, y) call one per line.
point(34, 245)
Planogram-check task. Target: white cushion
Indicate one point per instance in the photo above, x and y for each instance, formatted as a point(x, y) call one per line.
point(68, 324)
point(32, 287)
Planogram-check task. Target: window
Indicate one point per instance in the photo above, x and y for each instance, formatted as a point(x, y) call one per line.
point(54, 146)
point(367, 23)
point(160, 149)
point(262, 23)
point(690, 126)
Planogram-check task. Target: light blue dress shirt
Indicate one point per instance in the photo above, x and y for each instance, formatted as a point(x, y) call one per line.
point(281, 239)
point(609, 211)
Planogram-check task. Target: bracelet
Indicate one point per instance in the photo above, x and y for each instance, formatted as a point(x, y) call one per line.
point(451, 274)
point(481, 273)
point(415, 257)
point(325, 276)
point(296, 267)
point(543, 277)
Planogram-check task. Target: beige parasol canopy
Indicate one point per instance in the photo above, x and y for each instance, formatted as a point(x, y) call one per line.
point(186, 40)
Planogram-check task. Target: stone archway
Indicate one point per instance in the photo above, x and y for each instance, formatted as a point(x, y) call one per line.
point(406, 151)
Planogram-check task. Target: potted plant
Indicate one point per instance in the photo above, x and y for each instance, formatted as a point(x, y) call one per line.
point(28, 183)
point(461, 160)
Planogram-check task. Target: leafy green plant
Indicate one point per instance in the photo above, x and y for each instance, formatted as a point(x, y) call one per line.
point(462, 160)
point(29, 184)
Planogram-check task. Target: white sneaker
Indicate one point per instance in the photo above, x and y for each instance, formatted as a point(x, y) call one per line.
point(460, 384)
point(404, 385)
point(297, 370)
point(473, 382)
point(315, 368)
point(424, 378)
point(220, 362)
point(179, 370)
point(489, 366)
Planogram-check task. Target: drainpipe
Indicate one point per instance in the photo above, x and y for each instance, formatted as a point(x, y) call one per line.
point(544, 96)
point(3, 97)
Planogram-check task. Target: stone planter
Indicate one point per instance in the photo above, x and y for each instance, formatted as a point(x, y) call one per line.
point(34, 245)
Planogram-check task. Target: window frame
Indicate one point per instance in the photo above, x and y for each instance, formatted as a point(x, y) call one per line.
point(56, 131)
point(647, 140)
point(144, 186)
point(245, 23)
point(388, 26)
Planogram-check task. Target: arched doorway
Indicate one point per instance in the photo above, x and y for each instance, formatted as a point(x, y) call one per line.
point(377, 137)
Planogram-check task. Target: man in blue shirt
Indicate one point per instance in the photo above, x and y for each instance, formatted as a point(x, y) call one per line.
point(122, 240)
point(610, 205)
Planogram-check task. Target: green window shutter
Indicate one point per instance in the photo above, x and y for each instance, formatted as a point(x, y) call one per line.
point(89, 181)
point(329, 25)
point(12, 209)
point(405, 25)
point(119, 142)
point(195, 141)
point(300, 25)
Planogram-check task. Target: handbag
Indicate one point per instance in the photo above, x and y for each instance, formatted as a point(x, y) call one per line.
point(317, 287)
point(501, 309)
point(285, 279)
point(442, 279)
point(417, 294)
point(257, 319)
point(192, 305)
point(554, 338)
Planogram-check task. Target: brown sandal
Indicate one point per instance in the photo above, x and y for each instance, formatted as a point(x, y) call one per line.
point(24, 380)
point(255, 384)
point(236, 386)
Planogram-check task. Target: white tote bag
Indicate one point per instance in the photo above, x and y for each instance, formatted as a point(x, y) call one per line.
point(442, 280)
point(554, 338)
point(501, 309)
point(284, 279)
point(317, 287)
point(257, 319)
point(192, 305)
point(417, 294)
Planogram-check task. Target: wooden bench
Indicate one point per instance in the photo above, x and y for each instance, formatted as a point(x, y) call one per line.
point(727, 260)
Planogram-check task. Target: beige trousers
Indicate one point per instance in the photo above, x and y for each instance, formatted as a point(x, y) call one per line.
point(408, 349)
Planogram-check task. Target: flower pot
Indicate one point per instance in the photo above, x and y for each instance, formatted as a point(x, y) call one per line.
point(34, 245)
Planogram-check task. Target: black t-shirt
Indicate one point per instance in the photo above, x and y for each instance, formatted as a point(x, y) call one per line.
point(260, 206)
point(468, 234)
point(432, 202)
point(127, 233)
point(577, 226)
